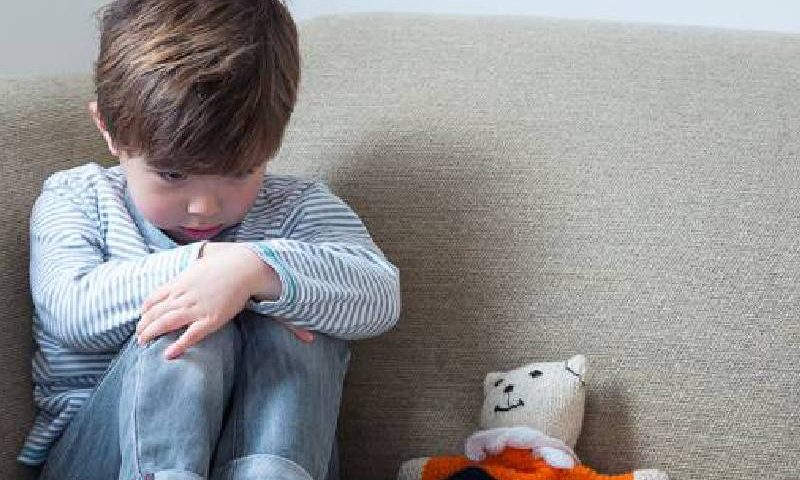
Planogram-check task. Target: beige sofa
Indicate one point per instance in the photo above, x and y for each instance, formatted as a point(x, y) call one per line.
point(547, 187)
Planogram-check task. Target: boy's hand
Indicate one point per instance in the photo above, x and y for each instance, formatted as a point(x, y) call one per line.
point(205, 296)
point(258, 280)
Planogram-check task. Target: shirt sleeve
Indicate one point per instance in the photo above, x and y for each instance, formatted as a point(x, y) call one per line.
point(83, 300)
point(334, 279)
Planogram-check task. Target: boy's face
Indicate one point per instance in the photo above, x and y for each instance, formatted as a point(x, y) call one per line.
point(178, 203)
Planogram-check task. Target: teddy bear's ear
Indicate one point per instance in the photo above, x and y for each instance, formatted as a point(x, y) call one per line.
point(490, 380)
point(579, 365)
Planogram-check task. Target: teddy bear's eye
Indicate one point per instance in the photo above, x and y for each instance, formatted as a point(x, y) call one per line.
point(497, 383)
point(536, 373)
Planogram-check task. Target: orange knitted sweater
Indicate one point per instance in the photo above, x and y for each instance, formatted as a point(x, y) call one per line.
point(512, 464)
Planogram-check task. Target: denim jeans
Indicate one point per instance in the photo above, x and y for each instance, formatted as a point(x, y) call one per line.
point(250, 401)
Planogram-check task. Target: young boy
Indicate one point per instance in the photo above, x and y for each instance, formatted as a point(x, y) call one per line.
point(176, 294)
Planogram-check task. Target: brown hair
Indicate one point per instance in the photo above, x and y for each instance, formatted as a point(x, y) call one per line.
point(197, 86)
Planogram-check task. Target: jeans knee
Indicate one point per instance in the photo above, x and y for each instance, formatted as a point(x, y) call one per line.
point(226, 339)
point(218, 348)
point(266, 336)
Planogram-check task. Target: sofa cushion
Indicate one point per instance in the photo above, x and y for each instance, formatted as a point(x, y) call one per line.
point(552, 187)
point(546, 187)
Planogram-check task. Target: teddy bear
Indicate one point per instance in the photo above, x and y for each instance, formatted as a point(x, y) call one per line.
point(531, 418)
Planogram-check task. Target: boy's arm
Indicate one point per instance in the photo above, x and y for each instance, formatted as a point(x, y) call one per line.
point(334, 279)
point(84, 301)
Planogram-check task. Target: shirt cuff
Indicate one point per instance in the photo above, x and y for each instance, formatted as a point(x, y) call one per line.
point(288, 284)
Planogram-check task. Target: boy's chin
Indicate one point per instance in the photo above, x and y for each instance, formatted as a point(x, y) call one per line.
point(176, 236)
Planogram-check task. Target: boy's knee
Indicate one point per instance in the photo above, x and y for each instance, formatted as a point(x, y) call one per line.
point(227, 338)
point(326, 357)
point(221, 345)
point(265, 334)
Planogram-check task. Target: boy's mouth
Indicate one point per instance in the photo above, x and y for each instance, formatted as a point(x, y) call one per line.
point(201, 233)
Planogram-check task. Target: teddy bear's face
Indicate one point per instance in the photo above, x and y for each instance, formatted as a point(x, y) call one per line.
point(546, 396)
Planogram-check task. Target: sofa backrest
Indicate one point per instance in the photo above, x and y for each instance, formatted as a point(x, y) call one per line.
point(44, 127)
point(546, 188)
point(550, 187)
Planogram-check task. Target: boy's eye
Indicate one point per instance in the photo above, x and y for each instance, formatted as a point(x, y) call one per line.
point(240, 177)
point(245, 174)
point(172, 176)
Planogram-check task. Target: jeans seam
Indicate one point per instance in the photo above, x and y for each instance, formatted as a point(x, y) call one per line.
point(135, 430)
point(242, 370)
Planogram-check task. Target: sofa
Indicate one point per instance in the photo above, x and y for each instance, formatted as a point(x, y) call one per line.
point(547, 187)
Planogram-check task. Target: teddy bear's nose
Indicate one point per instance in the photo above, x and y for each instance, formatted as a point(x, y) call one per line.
point(508, 389)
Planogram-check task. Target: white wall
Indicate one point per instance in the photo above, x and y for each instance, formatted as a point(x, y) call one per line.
point(45, 36)
point(775, 15)
point(49, 36)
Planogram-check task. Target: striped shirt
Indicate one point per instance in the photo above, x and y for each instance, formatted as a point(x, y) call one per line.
point(95, 259)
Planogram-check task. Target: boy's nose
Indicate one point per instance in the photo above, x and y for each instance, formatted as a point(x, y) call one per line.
point(206, 206)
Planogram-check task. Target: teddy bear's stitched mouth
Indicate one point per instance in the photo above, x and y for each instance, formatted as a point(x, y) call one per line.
point(519, 403)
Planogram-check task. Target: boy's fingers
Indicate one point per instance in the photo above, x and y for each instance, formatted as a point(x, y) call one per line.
point(169, 322)
point(154, 298)
point(196, 332)
point(144, 321)
point(162, 309)
point(154, 311)
point(303, 335)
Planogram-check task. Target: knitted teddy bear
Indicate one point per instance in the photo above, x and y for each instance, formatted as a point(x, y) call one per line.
point(532, 417)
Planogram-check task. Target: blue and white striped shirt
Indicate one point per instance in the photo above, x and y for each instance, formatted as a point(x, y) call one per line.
point(95, 259)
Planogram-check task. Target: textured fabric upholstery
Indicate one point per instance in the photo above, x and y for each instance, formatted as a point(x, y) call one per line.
point(546, 187)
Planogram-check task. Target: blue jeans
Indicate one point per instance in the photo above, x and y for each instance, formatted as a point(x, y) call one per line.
point(250, 401)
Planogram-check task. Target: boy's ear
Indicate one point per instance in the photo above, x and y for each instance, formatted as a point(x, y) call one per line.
point(101, 126)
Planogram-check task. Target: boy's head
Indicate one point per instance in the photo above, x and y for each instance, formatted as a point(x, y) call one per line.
point(196, 90)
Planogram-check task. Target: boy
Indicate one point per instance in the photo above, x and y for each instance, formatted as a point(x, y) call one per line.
point(172, 291)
